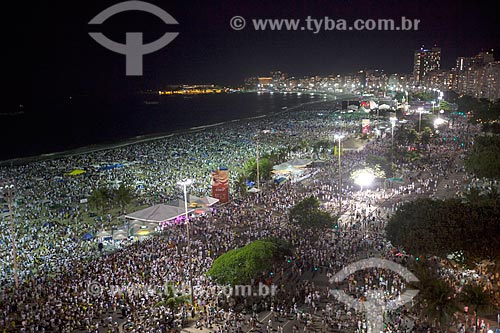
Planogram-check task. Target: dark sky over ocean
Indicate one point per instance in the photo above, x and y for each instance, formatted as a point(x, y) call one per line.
point(51, 57)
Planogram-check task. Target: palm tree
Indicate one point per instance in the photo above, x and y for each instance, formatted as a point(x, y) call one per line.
point(473, 196)
point(241, 184)
point(123, 196)
point(426, 136)
point(401, 136)
point(439, 303)
point(413, 136)
point(474, 294)
point(99, 199)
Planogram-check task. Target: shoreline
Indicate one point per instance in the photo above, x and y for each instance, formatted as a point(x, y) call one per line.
point(141, 138)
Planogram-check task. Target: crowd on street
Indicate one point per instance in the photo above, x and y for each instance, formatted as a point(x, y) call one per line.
point(67, 285)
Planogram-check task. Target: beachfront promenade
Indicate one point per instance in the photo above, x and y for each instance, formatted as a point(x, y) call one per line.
point(57, 267)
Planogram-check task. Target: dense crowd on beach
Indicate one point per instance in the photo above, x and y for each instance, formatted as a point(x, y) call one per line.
point(66, 285)
point(45, 194)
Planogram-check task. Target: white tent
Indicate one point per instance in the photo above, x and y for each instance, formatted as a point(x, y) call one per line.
point(158, 213)
point(292, 166)
point(300, 163)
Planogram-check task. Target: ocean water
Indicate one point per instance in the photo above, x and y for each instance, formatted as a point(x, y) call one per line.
point(81, 121)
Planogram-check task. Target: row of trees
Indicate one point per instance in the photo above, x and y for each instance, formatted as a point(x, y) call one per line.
point(484, 161)
point(439, 301)
point(480, 110)
point(408, 136)
point(483, 110)
point(419, 96)
point(439, 228)
point(103, 198)
point(467, 229)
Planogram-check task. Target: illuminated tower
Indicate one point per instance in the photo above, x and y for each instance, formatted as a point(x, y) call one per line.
point(425, 61)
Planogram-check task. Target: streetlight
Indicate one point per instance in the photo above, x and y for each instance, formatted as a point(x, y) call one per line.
point(393, 123)
point(420, 110)
point(185, 183)
point(438, 122)
point(257, 159)
point(340, 137)
point(8, 188)
point(433, 102)
point(364, 178)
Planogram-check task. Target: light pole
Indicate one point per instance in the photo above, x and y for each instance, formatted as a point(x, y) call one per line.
point(393, 123)
point(420, 109)
point(340, 137)
point(185, 183)
point(8, 189)
point(257, 160)
point(364, 178)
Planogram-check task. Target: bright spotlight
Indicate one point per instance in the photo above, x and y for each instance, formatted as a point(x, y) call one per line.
point(364, 178)
point(439, 121)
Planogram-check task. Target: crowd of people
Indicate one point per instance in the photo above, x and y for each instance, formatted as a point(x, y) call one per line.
point(66, 285)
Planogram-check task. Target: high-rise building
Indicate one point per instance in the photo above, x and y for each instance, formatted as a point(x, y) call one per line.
point(398, 81)
point(477, 76)
point(491, 83)
point(436, 79)
point(482, 58)
point(425, 61)
point(375, 79)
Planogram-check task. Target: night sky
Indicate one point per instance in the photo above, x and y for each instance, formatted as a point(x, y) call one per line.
point(54, 56)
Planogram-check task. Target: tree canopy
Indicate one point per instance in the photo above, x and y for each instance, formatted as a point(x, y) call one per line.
point(423, 96)
point(380, 162)
point(481, 110)
point(428, 227)
point(308, 214)
point(240, 266)
point(484, 160)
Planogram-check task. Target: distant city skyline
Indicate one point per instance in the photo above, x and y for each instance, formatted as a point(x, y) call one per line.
point(410, 70)
point(435, 52)
point(477, 76)
point(56, 55)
